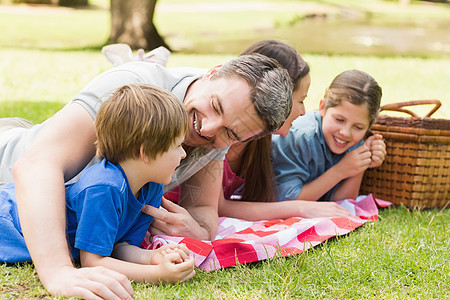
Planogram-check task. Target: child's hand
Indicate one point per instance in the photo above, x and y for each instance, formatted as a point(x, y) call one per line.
point(173, 272)
point(182, 251)
point(355, 162)
point(377, 148)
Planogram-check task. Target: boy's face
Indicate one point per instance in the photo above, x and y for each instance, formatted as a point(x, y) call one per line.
point(344, 125)
point(166, 162)
point(220, 112)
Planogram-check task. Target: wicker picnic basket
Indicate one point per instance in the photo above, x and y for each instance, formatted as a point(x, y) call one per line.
point(416, 170)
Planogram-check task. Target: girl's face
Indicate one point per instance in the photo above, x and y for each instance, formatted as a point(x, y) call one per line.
point(298, 108)
point(344, 125)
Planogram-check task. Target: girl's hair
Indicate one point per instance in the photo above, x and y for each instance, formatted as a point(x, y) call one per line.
point(139, 115)
point(256, 167)
point(286, 56)
point(356, 87)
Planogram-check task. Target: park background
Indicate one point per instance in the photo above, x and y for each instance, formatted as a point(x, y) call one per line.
point(48, 53)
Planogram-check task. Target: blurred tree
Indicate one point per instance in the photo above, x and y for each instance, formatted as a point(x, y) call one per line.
point(132, 23)
point(72, 3)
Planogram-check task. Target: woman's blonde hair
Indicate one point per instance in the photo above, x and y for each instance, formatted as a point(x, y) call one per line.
point(139, 115)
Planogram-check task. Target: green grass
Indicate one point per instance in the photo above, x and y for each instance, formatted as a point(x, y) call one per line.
point(50, 30)
point(42, 76)
point(404, 255)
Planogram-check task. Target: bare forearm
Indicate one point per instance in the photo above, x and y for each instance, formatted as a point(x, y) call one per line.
point(40, 196)
point(207, 219)
point(349, 189)
point(203, 206)
point(126, 252)
point(134, 271)
point(256, 211)
point(39, 175)
point(317, 188)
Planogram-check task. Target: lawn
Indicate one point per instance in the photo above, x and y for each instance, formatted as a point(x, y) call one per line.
point(404, 255)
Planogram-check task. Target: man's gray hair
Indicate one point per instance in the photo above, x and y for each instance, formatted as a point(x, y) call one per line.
point(270, 83)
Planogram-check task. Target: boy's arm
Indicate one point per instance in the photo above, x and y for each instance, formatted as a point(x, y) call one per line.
point(62, 148)
point(196, 216)
point(126, 252)
point(354, 163)
point(167, 271)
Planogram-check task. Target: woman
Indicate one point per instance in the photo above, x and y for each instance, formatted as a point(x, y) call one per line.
point(248, 180)
point(248, 176)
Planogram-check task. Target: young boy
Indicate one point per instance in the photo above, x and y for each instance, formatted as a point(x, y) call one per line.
point(139, 134)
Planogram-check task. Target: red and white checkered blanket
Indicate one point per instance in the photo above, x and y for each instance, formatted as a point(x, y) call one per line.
point(240, 241)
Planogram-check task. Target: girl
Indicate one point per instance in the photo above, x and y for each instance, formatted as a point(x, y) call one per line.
point(324, 156)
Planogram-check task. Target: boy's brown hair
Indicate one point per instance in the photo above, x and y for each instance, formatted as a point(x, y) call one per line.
point(139, 115)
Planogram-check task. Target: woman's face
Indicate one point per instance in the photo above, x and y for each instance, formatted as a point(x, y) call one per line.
point(298, 108)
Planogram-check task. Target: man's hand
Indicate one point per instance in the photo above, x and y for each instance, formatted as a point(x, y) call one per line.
point(174, 221)
point(89, 283)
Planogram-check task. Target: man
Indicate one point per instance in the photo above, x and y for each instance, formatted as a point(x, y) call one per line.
point(245, 98)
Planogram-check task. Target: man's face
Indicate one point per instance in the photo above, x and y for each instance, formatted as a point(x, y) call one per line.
point(220, 112)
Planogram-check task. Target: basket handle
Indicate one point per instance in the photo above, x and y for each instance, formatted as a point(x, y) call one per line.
point(399, 106)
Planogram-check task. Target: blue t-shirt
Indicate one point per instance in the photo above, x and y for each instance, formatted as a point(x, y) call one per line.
point(101, 211)
point(302, 156)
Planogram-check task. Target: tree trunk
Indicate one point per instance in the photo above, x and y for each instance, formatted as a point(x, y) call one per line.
point(132, 24)
point(73, 3)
